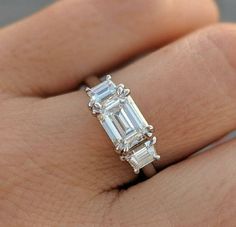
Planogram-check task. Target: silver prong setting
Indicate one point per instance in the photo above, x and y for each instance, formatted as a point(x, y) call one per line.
point(119, 148)
point(150, 128)
point(90, 104)
point(126, 149)
point(120, 89)
point(96, 108)
point(87, 89)
point(156, 157)
point(126, 92)
point(153, 141)
point(149, 131)
point(136, 170)
point(108, 77)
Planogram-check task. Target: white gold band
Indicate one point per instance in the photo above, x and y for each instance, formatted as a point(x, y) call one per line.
point(130, 133)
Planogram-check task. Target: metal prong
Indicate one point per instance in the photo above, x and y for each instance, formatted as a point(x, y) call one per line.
point(96, 108)
point(108, 77)
point(87, 89)
point(153, 140)
point(126, 149)
point(95, 112)
point(126, 92)
point(120, 146)
point(136, 171)
point(120, 89)
point(156, 156)
point(150, 128)
point(118, 149)
point(101, 118)
point(90, 104)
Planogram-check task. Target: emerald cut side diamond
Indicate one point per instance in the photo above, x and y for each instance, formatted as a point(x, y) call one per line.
point(142, 156)
point(123, 123)
point(102, 91)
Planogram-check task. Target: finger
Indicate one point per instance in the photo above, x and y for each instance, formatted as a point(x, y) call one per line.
point(200, 191)
point(55, 49)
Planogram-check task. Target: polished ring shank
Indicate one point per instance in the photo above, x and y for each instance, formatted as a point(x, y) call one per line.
point(125, 125)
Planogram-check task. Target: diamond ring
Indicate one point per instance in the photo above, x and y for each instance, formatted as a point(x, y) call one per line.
point(123, 122)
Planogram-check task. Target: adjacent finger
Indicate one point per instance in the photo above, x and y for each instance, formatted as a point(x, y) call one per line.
point(200, 191)
point(52, 51)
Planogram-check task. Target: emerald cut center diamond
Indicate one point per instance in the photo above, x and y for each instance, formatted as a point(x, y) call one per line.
point(123, 122)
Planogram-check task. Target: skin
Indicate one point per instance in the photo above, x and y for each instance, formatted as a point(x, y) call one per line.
point(57, 166)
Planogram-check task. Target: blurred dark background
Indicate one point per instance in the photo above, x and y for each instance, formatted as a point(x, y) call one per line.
point(12, 10)
point(228, 9)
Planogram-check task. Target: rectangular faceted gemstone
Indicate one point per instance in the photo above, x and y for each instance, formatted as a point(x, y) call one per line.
point(142, 156)
point(123, 122)
point(102, 91)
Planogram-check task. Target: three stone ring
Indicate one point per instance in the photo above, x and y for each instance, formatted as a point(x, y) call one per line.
point(123, 122)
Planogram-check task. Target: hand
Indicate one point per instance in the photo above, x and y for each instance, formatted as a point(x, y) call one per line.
point(57, 166)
